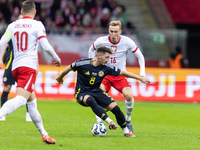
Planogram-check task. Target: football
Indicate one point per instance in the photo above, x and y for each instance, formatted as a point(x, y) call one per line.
point(99, 129)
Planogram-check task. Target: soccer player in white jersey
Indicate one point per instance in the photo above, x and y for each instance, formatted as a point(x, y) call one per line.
point(119, 45)
point(26, 33)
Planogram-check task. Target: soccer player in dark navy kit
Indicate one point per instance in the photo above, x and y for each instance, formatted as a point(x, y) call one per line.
point(91, 72)
point(8, 79)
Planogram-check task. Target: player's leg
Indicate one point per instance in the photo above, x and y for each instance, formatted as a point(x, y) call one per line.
point(16, 102)
point(90, 101)
point(123, 85)
point(114, 108)
point(4, 96)
point(37, 119)
point(105, 86)
point(97, 117)
point(129, 103)
point(28, 117)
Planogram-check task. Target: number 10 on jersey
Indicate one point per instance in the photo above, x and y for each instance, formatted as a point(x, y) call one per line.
point(22, 39)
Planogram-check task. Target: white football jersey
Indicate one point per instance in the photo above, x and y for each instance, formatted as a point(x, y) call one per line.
point(119, 50)
point(25, 34)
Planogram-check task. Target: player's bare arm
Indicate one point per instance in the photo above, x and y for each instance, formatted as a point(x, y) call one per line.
point(48, 48)
point(134, 76)
point(59, 78)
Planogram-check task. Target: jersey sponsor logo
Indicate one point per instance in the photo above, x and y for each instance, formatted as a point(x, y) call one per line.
point(101, 73)
point(87, 73)
point(94, 73)
point(114, 49)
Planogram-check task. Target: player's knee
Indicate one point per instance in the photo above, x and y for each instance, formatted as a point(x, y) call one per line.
point(128, 97)
point(32, 103)
point(111, 105)
point(21, 100)
point(90, 101)
point(7, 88)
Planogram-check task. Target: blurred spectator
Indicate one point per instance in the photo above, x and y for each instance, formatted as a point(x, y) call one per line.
point(119, 15)
point(59, 20)
point(15, 14)
point(130, 27)
point(5, 8)
point(48, 23)
point(67, 29)
point(176, 59)
point(111, 4)
point(71, 17)
point(78, 29)
point(81, 8)
point(105, 18)
point(91, 20)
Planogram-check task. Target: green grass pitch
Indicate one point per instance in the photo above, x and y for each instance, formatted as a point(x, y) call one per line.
point(157, 126)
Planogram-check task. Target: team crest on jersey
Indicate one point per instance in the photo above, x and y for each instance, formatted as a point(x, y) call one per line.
point(114, 49)
point(101, 73)
point(4, 79)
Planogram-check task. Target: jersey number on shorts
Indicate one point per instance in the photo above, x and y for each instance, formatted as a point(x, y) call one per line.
point(23, 38)
point(92, 80)
point(113, 60)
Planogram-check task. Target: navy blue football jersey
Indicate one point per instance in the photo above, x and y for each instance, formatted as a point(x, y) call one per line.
point(8, 56)
point(89, 77)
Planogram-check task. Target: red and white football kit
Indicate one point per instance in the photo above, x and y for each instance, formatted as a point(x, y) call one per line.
point(25, 34)
point(118, 59)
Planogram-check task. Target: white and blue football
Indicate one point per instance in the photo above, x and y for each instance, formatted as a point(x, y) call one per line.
point(99, 129)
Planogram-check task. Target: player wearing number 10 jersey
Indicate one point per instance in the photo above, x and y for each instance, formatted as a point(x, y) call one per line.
point(119, 45)
point(25, 34)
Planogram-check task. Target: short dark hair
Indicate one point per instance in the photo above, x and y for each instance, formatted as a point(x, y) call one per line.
point(103, 49)
point(28, 6)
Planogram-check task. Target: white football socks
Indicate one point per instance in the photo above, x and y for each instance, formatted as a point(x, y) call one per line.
point(12, 104)
point(129, 108)
point(98, 119)
point(35, 116)
point(108, 120)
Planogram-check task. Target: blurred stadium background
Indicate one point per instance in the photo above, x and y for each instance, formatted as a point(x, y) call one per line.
point(157, 26)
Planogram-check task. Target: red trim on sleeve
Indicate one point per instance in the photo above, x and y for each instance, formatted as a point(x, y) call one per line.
point(135, 50)
point(93, 46)
point(41, 37)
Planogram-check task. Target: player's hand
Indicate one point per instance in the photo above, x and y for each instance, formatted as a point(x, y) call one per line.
point(58, 63)
point(59, 79)
point(144, 79)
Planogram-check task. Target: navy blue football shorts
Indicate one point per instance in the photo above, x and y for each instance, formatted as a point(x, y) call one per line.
point(8, 77)
point(101, 97)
